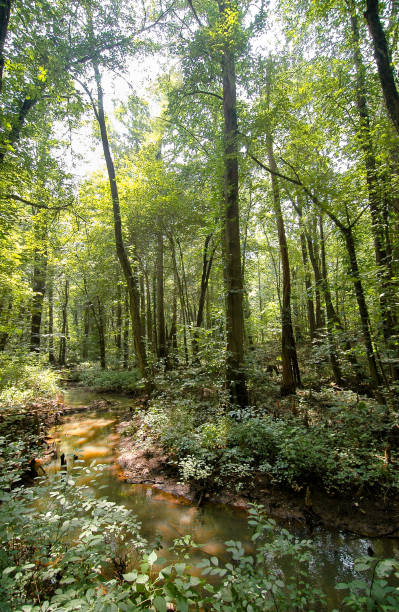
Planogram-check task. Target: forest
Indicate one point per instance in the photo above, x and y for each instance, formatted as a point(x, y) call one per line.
point(199, 306)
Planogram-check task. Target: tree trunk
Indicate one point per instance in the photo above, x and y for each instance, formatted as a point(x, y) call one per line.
point(308, 287)
point(181, 297)
point(363, 310)
point(50, 294)
point(86, 329)
point(330, 311)
point(149, 313)
point(154, 313)
point(172, 338)
point(314, 258)
point(38, 283)
point(118, 336)
point(5, 7)
point(126, 334)
point(101, 334)
point(290, 377)
point(375, 195)
point(384, 63)
point(64, 328)
point(12, 136)
point(130, 276)
point(4, 321)
point(206, 270)
point(235, 375)
point(161, 353)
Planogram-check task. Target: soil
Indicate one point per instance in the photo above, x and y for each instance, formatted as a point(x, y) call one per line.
point(362, 516)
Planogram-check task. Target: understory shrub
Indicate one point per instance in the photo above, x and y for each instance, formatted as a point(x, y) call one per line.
point(334, 440)
point(24, 378)
point(121, 381)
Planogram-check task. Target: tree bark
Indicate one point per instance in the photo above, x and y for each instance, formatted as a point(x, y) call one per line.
point(235, 375)
point(384, 63)
point(5, 8)
point(17, 122)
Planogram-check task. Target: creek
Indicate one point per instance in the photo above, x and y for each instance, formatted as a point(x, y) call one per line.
point(91, 435)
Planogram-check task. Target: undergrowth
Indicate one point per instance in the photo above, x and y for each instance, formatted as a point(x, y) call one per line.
point(330, 439)
point(117, 381)
point(24, 378)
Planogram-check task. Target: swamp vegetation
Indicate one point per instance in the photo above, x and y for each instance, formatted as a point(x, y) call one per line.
point(199, 207)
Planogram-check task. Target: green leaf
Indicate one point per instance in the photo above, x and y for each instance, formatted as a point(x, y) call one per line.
point(152, 557)
point(142, 579)
point(160, 604)
point(131, 577)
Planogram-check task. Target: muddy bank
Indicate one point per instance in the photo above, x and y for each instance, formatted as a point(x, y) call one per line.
point(362, 516)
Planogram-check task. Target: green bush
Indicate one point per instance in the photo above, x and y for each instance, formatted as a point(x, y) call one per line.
point(24, 378)
point(110, 380)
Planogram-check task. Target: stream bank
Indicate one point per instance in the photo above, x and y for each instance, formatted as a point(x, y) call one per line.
point(370, 517)
point(365, 517)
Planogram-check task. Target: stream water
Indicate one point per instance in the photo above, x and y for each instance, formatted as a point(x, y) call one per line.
point(91, 435)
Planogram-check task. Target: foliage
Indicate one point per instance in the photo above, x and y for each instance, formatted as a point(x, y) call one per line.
point(109, 380)
point(332, 440)
point(24, 378)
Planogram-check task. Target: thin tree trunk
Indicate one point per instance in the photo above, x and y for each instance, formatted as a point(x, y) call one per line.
point(161, 353)
point(130, 276)
point(4, 319)
point(5, 8)
point(235, 375)
point(118, 335)
point(308, 287)
point(260, 302)
point(313, 254)
point(181, 297)
point(50, 294)
point(363, 310)
point(126, 334)
point(331, 314)
point(154, 314)
point(290, 377)
point(172, 338)
point(149, 314)
point(86, 329)
point(64, 328)
point(101, 334)
point(38, 283)
point(206, 270)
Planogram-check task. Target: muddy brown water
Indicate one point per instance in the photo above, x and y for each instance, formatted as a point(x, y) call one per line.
point(91, 435)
